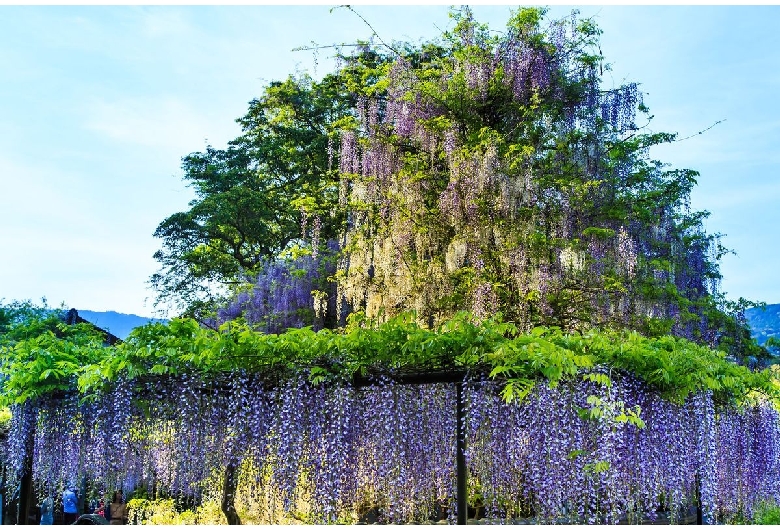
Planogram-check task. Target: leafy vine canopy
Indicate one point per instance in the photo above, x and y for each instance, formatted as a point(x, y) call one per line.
point(483, 171)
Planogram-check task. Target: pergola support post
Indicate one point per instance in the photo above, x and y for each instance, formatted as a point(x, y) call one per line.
point(25, 486)
point(461, 479)
point(699, 508)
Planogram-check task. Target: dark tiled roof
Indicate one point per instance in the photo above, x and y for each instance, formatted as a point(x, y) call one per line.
point(72, 317)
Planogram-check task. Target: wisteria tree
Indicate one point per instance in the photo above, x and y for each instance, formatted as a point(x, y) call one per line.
point(495, 173)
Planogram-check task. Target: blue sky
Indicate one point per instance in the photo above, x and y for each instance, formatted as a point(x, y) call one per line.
point(99, 104)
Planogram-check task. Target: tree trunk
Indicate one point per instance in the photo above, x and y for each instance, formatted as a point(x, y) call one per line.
point(229, 485)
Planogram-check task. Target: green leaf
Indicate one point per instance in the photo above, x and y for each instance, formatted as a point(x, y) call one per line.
point(159, 369)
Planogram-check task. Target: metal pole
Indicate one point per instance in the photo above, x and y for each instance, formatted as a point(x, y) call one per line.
point(26, 485)
point(462, 500)
point(25, 489)
point(699, 510)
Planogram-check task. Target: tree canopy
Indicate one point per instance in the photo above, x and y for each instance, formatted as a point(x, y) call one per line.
point(249, 197)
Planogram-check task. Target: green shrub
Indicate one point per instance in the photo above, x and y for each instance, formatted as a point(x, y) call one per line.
point(767, 512)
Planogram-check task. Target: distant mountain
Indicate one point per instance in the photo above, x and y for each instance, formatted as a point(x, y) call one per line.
point(119, 324)
point(764, 323)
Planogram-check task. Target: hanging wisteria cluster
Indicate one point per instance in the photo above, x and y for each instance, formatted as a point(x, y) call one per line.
point(288, 293)
point(576, 452)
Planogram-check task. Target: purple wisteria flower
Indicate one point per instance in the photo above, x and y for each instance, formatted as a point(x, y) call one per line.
point(564, 454)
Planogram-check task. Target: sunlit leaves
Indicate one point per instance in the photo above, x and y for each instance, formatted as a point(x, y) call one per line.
point(676, 367)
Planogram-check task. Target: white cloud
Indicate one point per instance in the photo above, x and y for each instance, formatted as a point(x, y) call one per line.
point(165, 22)
point(83, 266)
point(168, 123)
point(74, 240)
point(35, 194)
